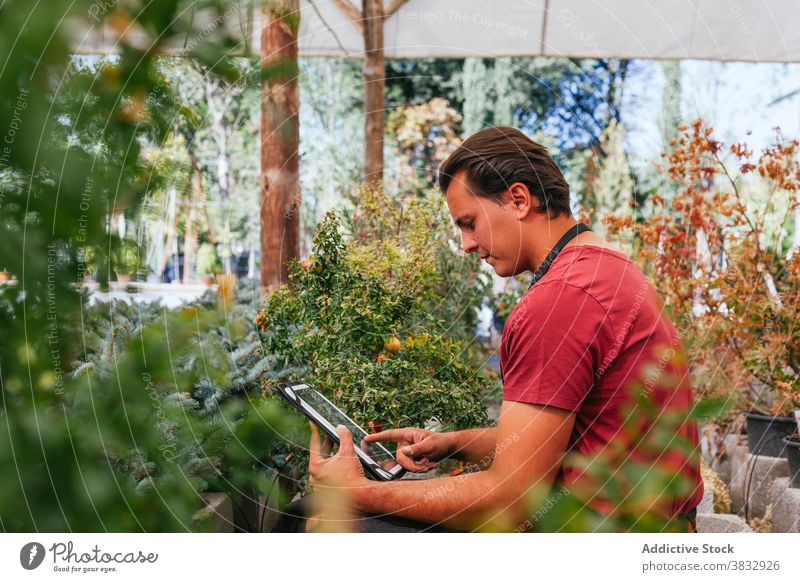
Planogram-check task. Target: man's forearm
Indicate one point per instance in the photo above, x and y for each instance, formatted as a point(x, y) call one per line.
point(474, 445)
point(465, 502)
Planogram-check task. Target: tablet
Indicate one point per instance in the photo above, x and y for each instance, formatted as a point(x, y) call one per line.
point(379, 463)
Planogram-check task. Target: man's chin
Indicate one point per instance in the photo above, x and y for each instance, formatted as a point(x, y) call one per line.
point(501, 271)
point(505, 271)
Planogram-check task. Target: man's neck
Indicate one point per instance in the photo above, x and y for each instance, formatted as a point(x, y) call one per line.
point(551, 232)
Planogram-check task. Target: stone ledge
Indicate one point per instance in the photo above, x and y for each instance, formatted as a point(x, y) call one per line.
point(721, 523)
point(764, 480)
point(786, 510)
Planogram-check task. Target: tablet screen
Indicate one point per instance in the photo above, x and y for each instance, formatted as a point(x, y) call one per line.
point(325, 407)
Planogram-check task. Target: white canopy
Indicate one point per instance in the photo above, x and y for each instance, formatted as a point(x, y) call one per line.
point(731, 30)
point(747, 30)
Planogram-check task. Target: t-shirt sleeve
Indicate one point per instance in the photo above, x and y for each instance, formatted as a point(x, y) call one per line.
point(553, 343)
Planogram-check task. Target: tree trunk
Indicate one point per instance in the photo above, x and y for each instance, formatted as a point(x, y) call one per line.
point(189, 242)
point(171, 226)
point(280, 181)
point(191, 239)
point(374, 84)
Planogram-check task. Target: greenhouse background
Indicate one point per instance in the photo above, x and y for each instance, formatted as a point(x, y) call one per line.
point(203, 199)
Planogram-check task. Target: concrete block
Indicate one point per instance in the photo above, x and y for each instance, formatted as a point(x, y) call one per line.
point(752, 477)
point(219, 510)
point(786, 510)
point(707, 502)
point(721, 523)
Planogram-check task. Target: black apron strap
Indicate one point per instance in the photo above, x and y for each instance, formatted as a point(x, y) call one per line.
point(571, 233)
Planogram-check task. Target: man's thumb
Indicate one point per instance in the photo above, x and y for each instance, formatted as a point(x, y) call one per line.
point(345, 440)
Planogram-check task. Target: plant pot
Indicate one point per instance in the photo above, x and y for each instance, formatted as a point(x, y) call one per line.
point(793, 455)
point(765, 433)
point(5, 276)
point(124, 278)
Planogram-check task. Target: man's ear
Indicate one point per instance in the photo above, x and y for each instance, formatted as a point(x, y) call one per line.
point(522, 201)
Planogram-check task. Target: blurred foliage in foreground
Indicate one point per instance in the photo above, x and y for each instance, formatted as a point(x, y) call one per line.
point(118, 446)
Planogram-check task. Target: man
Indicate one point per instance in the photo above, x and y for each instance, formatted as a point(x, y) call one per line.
point(588, 326)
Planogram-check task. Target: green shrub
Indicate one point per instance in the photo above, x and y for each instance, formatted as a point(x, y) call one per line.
point(115, 256)
point(129, 257)
point(361, 322)
point(208, 262)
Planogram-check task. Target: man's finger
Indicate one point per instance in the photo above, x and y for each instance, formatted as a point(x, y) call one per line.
point(391, 435)
point(422, 448)
point(414, 466)
point(345, 441)
point(427, 464)
point(313, 446)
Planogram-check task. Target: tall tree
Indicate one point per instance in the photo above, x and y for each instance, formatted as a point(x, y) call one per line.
point(613, 188)
point(280, 140)
point(370, 22)
point(476, 106)
point(417, 81)
point(796, 232)
point(219, 129)
point(503, 83)
point(670, 101)
point(332, 148)
point(488, 93)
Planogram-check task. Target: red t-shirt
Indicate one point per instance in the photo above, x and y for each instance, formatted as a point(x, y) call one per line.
point(578, 338)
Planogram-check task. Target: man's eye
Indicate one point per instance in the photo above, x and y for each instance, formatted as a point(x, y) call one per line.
point(469, 225)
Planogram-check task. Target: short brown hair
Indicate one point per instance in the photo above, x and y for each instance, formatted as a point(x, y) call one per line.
point(496, 157)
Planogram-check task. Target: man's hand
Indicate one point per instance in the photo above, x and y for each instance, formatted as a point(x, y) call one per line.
point(340, 470)
point(418, 450)
point(336, 480)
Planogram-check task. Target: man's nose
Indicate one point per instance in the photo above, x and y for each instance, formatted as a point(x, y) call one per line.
point(468, 243)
